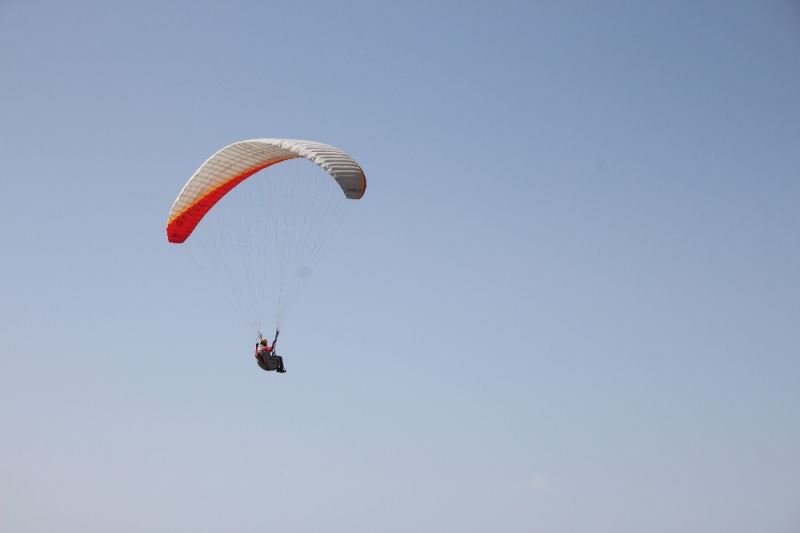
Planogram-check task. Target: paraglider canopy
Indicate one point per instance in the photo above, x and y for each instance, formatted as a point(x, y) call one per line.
point(235, 163)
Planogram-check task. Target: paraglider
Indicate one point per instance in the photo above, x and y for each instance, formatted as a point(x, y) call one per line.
point(269, 208)
point(266, 356)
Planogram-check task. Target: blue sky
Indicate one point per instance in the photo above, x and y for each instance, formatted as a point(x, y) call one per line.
point(568, 301)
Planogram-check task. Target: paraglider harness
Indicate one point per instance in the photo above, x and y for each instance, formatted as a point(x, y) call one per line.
point(269, 360)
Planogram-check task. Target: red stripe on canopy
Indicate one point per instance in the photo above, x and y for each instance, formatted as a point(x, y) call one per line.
point(179, 229)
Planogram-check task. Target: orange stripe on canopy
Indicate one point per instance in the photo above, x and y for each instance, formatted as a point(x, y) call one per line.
point(180, 227)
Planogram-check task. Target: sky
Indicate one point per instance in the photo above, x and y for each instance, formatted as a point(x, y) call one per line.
point(568, 301)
